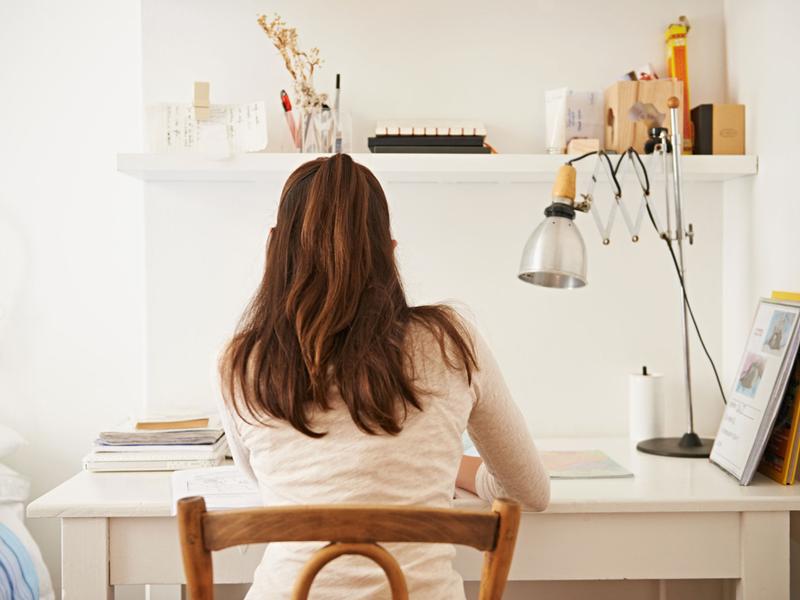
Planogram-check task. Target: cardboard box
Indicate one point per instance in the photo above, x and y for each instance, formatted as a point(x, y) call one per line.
point(718, 129)
point(621, 132)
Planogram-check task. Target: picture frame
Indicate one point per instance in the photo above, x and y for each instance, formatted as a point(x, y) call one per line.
point(758, 388)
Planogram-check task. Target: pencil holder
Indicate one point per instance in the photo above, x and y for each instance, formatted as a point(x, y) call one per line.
point(314, 129)
point(320, 131)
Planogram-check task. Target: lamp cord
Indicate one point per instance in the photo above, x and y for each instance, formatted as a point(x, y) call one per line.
point(665, 237)
point(678, 272)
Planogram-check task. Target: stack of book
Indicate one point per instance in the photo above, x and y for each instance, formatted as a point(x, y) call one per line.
point(782, 454)
point(159, 445)
point(783, 447)
point(421, 136)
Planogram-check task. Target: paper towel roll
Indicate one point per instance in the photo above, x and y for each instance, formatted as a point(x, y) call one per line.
point(644, 410)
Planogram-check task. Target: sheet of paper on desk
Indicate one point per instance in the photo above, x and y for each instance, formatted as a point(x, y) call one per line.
point(222, 487)
point(568, 464)
point(581, 464)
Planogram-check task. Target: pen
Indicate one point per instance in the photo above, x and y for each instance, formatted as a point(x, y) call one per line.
point(338, 127)
point(287, 113)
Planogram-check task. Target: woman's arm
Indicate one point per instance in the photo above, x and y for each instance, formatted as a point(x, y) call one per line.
point(239, 452)
point(468, 472)
point(511, 464)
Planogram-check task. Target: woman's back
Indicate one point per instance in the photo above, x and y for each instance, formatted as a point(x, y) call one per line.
point(416, 467)
point(337, 391)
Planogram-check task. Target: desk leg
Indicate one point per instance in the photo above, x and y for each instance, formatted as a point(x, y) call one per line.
point(764, 551)
point(84, 559)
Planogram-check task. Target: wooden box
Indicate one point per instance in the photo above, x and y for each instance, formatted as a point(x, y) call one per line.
point(621, 132)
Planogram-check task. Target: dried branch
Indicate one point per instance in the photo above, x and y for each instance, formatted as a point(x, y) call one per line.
point(301, 65)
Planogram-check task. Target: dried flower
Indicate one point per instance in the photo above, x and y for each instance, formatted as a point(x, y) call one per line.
point(300, 64)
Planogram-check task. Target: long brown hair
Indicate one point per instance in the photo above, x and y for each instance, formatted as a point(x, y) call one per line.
point(331, 309)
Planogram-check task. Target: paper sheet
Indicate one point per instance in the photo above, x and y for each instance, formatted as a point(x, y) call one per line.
point(568, 464)
point(222, 487)
point(231, 129)
point(571, 114)
point(581, 464)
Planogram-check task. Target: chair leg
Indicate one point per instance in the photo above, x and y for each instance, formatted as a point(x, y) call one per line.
point(497, 563)
point(196, 558)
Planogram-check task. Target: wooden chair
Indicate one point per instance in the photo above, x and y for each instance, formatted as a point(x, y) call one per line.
point(350, 529)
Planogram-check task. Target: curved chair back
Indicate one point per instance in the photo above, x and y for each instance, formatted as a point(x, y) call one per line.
point(350, 529)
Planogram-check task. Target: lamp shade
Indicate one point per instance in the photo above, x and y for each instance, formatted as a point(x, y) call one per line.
point(555, 255)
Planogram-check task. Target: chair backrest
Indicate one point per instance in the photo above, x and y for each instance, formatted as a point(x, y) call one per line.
point(350, 529)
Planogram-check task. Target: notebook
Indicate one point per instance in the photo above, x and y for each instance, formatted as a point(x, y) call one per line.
point(128, 434)
point(568, 464)
point(582, 464)
point(424, 149)
point(425, 140)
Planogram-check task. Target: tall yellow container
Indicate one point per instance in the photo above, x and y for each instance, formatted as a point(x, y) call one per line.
point(678, 67)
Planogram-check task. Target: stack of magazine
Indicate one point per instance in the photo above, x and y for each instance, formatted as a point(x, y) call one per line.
point(165, 444)
point(760, 428)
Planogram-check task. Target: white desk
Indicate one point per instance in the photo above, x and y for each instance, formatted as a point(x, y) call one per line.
point(676, 519)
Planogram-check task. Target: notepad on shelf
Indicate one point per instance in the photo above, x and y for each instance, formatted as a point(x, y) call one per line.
point(582, 464)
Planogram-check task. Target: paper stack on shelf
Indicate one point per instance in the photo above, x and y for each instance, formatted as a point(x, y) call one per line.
point(159, 445)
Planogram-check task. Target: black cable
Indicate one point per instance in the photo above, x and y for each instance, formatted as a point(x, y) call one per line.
point(644, 172)
point(613, 172)
point(611, 168)
point(614, 169)
point(665, 237)
point(582, 156)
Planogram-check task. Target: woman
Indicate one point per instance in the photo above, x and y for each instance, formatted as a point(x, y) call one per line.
point(336, 391)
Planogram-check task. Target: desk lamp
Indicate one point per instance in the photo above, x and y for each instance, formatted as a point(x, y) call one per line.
point(555, 257)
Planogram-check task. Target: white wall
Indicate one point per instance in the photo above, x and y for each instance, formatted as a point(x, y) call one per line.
point(71, 256)
point(443, 58)
point(560, 350)
point(72, 334)
point(762, 215)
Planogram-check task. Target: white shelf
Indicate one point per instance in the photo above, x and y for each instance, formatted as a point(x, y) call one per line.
point(426, 168)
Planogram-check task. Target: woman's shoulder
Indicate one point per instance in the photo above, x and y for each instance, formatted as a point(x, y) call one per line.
point(429, 321)
point(443, 338)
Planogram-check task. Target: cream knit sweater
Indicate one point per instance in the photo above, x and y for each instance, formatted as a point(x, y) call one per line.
point(416, 467)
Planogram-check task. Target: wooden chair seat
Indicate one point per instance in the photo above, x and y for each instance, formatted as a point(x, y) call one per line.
point(350, 529)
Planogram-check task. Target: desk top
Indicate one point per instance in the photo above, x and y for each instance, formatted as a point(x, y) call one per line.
point(660, 484)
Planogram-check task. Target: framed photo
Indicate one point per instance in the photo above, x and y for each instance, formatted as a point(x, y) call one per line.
point(758, 388)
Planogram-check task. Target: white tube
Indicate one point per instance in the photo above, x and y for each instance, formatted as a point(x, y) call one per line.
point(644, 410)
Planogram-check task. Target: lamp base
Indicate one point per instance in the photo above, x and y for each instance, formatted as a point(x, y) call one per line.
point(690, 445)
